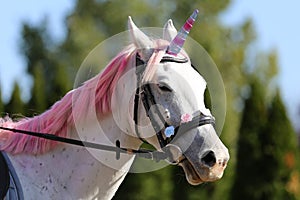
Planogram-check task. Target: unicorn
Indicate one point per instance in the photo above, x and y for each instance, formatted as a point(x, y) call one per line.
point(149, 92)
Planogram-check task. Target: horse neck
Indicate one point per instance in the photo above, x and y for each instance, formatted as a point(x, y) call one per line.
point(76, 172)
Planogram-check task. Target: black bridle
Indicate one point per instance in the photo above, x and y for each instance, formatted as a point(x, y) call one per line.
point(143, 93)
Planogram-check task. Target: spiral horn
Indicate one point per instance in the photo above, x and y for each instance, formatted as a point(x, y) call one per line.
point(177, 43)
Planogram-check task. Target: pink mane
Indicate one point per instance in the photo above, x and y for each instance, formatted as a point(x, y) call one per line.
point(59, 118)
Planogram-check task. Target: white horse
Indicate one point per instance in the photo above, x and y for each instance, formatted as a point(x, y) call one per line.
point(148, 92)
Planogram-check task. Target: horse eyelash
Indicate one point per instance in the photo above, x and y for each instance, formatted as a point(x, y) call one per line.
point(163, 87)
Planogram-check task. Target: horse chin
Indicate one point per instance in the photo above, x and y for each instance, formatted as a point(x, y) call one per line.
point(190, 173)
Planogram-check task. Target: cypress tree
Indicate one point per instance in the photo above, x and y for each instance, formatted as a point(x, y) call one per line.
point(266, 157)
point(15, 106)
point(279, 149)
point(38, 101)
point(51, 80)
point(248, 173)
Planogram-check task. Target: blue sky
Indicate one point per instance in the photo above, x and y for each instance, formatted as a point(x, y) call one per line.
point(12, 14)
point(276, 23)
point(277, 26)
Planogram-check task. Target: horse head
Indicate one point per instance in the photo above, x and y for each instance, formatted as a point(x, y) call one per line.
point(176, 118)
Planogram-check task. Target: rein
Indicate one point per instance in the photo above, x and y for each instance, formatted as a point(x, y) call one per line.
point(144, 94)
point(144, 153)
point(199, 120)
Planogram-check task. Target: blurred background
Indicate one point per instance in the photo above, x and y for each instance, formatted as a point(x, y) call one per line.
point(253, 43)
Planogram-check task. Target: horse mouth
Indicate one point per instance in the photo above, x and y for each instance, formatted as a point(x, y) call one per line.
point(191, 174)
point(203, 174)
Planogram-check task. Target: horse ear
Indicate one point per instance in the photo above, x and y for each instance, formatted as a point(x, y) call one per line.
point(170, 31)
point(140, 40)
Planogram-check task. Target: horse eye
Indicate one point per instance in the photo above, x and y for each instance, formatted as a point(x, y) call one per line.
point(164, 87)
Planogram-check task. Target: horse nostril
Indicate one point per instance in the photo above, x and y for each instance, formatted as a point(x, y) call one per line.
point(209, 159)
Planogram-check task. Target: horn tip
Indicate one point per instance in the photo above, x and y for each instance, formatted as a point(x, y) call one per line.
point(195, 14)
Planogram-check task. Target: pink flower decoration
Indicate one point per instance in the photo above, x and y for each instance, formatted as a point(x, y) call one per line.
point(186, 118)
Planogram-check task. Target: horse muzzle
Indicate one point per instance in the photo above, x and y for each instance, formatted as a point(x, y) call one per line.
point(201, 162)
point(209, 169)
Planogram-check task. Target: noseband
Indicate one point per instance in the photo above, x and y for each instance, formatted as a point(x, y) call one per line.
point(144, 93)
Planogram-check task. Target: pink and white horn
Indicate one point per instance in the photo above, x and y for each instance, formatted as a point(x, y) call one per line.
point(177, 43)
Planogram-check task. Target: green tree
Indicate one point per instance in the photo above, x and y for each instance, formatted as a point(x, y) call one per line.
point(38, 99)
point(279, 149)
point(147, 186)
point(15, 106)
point(247, 177)
point(267, 149)
point(50, 79)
